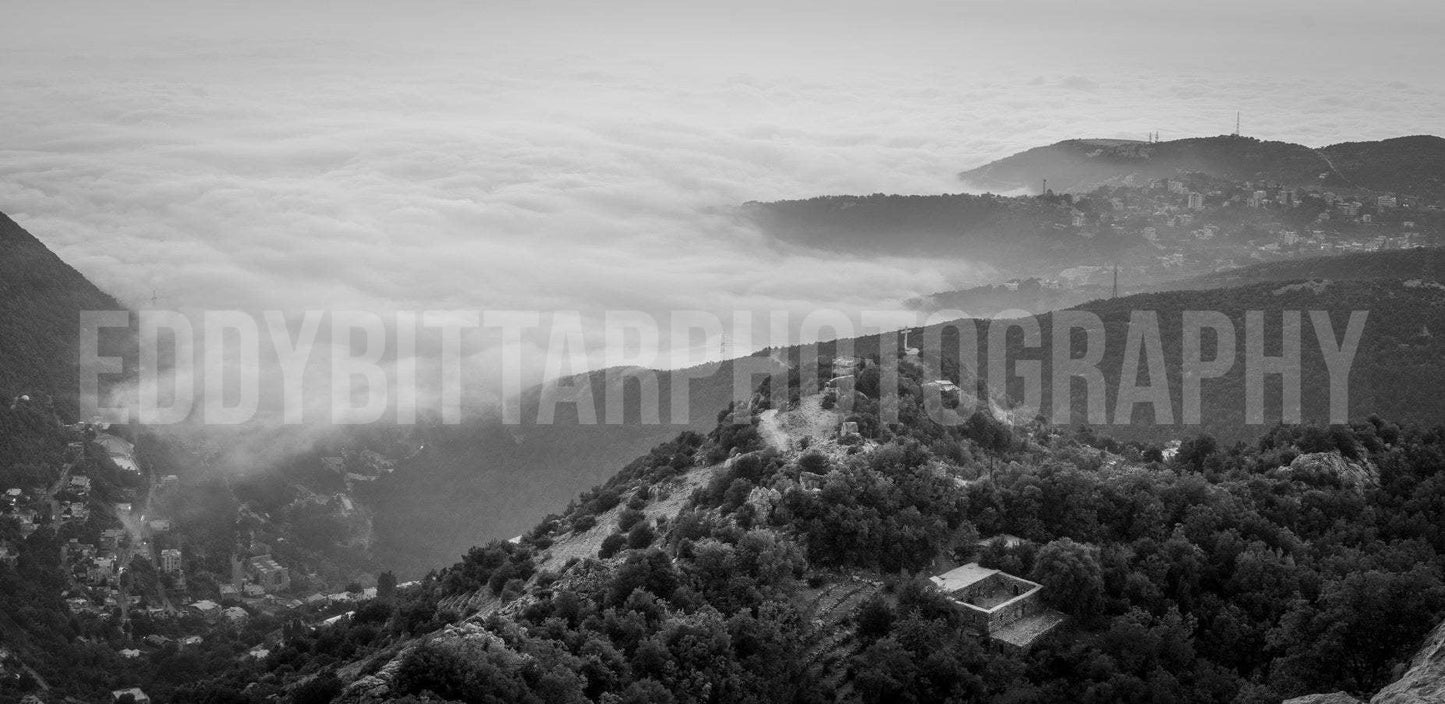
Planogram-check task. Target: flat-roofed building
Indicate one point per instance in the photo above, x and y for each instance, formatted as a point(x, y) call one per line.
point(171, 560)
point(268, 573)
point(1007, 608)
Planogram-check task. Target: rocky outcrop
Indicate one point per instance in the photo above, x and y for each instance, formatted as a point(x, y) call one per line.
point(467, 639)
point(763, 500)
point(1336, 698)
point(1333, 464)
point(375, 687)
point(1424, 682)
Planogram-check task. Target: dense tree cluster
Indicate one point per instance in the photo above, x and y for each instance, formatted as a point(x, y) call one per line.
point(708, 621)
point(1231, 575)
point(886, 510)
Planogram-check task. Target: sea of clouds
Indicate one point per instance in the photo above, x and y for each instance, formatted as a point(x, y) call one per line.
point(567, 156)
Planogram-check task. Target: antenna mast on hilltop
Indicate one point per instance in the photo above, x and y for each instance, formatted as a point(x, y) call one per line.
point(1236, 123)
point(1116, 280)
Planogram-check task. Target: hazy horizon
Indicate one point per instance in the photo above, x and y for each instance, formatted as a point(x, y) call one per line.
point(570, 156)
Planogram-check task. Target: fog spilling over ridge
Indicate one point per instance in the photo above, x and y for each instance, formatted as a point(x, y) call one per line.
point(566, 157)
point(456, 351)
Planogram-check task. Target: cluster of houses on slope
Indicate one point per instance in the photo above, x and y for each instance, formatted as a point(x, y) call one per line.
point(258, 582)
point(66, 502)
point(1191, 222)
point(23, 506)
point(255, 576)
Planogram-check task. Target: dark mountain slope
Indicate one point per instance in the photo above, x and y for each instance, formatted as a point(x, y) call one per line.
point(1405, 165)
point(41, 298)
point(486, 480)
point(1037, 296)
point(1414, 165)
point(1081, 165)
point(490, 481)
point(1397, 371)
point(1403, 265)
point(1308, 560)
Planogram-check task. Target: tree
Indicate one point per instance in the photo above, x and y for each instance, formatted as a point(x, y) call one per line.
point(629, 518)
point(873, 619)
point(640, 536)
point(1361, 624)
point(583, 523)
point(611, 544)
point(1193, 452)
point(815, 462)
point(1071, 575)
point(990, 434)
point(386, 586)
point(646, 691)
point(320, 689)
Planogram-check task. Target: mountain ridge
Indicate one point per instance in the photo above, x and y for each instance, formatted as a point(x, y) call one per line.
point(671, 607)
point(1412, 165)
point(1037, 296)
point(553, 462)
point(41, 298)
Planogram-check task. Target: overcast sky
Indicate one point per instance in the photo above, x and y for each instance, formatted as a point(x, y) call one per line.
point(584, 155)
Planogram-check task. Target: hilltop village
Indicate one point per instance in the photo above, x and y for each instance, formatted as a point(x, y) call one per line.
point(1197, 223)
point(1129, 238)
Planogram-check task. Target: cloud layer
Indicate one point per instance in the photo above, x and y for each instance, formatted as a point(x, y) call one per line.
point(566, 157)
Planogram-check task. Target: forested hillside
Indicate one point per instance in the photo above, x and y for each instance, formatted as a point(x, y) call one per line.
point(481, 481)
point(1038, 296)
point(1396, 371)
point(778, 559)
point(41, 298)
point(1424, 263)
point(1307, 560)
point(1414, 165)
